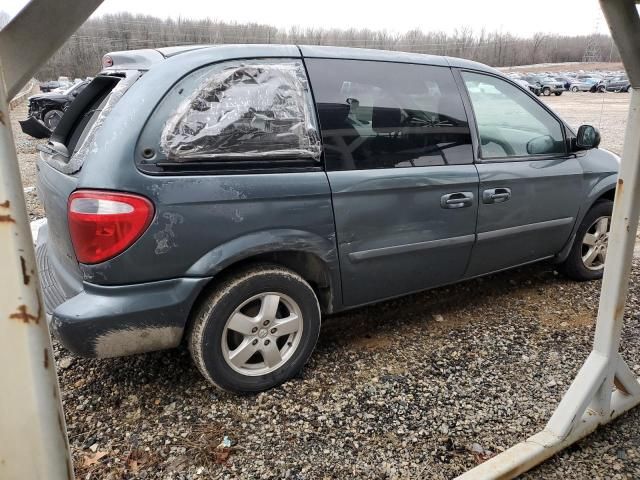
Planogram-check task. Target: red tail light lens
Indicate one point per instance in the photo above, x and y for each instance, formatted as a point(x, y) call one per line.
point(105, 224)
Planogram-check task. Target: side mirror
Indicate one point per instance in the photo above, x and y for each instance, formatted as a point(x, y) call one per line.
point(540, 145)
point(588, 137)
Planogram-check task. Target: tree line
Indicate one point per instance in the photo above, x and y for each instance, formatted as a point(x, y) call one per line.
point(81, 55)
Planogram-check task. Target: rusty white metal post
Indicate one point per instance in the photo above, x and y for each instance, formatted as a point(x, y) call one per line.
point(605, 387)
point(33, 438)
point(34, 441)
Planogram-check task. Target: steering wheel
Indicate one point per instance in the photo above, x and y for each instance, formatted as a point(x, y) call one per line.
point(493, 136)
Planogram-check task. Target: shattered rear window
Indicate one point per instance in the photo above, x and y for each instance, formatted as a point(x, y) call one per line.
point(249, 110)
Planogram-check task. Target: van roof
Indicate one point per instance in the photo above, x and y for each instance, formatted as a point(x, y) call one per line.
point(145, 58)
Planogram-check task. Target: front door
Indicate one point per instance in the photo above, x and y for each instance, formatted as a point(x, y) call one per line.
point(530, 188)
point(398, 155)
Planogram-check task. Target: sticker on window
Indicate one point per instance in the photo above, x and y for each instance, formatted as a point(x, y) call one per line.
point(246, 111)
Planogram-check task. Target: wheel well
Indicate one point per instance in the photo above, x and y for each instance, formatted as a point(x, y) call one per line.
point(608, 195)
point(309, 266)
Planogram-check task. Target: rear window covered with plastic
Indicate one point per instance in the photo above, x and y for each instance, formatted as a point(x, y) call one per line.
point(236, 112)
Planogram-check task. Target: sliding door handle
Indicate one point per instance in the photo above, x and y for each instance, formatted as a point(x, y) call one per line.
point(496, 195)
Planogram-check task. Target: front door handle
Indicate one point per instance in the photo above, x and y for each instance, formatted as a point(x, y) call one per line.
point(456, 200)
point(496, 195)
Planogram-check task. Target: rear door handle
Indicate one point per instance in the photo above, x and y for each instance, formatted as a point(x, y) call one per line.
point(456, 200)
point(496, 195)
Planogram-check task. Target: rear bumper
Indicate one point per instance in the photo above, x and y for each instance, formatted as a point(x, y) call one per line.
point(122, 320)
point(109, 321)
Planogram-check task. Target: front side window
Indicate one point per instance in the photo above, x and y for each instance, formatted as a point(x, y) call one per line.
point(387, 115)
point(510, 122)
point(245, 110)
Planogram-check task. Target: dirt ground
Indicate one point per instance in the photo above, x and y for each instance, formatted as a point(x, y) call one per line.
point(422, 387)
point(605, 111)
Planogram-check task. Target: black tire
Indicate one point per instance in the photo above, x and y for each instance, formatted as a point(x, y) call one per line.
point(51, 118)
point(557, 94)
point(573, 266)
point(546, 91)
point(575, 89)
point(210, 319)
point(602, 89)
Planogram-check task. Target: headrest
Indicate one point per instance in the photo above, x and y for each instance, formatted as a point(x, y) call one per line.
point(386, 119)
point(334, 115)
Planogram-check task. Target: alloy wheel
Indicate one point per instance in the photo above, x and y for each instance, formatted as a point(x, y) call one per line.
point(262, 334)
point(594, 244)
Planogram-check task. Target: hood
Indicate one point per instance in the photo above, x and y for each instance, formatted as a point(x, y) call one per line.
point(49, 96)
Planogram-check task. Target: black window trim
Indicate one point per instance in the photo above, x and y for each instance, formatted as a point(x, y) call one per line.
point(515, 158)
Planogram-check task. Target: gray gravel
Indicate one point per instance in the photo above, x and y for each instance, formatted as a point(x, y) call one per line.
point(422, 387)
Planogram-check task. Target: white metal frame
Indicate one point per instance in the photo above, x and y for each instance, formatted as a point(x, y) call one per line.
point(605, 387)
point(33, 443)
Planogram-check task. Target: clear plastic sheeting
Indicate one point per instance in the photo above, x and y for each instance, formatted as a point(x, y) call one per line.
point(257, 110)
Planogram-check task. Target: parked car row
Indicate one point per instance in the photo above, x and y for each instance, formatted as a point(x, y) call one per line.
point(547, 83)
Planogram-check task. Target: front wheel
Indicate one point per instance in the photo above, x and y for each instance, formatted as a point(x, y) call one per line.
point(558, 94)
point(546, 91)
point(589, 251)
point(574, 89)
point(52, 118)
point(256, 330)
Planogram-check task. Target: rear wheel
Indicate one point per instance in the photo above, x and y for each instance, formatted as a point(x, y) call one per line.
point(255, 330)
point(574, 89)
point(601, 89)
point(589, 251)
point(52, 118)
point(558, 94)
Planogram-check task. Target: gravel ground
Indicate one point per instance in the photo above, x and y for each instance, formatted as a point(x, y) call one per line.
point(605, 111)
point(426, 386)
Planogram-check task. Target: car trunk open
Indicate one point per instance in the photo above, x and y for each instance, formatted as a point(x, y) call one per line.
point(58, 168)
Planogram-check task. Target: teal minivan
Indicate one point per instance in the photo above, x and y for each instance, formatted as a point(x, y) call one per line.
point(229, 196)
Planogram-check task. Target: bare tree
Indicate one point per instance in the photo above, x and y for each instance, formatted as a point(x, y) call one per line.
point(81, 54)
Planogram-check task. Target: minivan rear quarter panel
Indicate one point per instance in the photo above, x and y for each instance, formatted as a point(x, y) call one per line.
point(197, 215)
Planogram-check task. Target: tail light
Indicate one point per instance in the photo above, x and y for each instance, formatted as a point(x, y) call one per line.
point(104, 224)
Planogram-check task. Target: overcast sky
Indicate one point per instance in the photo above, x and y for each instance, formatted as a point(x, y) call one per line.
point(515, 16)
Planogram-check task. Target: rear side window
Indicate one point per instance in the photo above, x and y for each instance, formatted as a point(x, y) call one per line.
point(248, 110)
point(387, 115)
